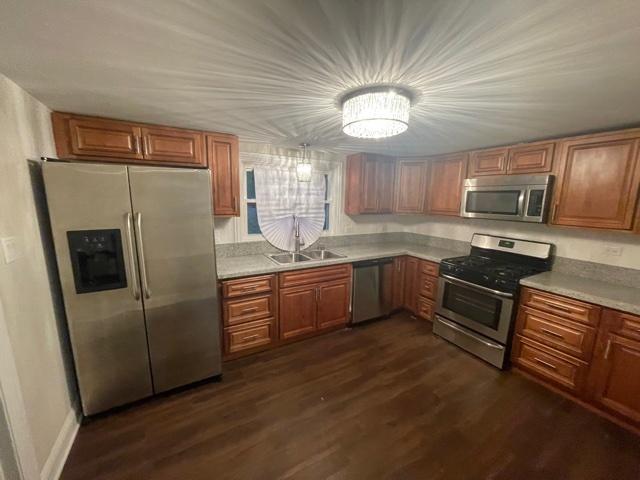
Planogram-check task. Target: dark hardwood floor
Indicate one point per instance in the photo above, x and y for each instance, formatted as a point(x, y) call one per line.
point(385, 400)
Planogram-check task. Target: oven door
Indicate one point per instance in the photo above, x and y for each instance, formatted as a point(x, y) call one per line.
point(485, 311)
point(499, 202)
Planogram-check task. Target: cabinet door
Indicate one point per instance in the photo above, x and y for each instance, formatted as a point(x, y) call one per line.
point(411, 271)
point(386, 174)
point(488, 162)
point(598, 184)
point(615, 372)
point(369, 185)
point(222, 156)
point(446, 175)
point(173, 146)
point(97, 137)
point(411, 179)
point(298, 309)
point(333, 303)
point(397, 288)
point(531, 158)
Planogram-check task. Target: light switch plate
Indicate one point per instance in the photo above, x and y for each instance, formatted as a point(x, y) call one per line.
point(10, 249)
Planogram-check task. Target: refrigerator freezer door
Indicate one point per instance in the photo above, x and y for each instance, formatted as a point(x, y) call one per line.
point(174, 235)
point(89, 207)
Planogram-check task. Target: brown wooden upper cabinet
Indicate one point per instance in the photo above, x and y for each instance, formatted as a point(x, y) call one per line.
point(444, 188)
point(410, 188)
point(222, 156)
point(531, 158)
point(598, 180)
point(369, 184)
point(175, 146)
point(82, 137)
point(488, 162)
point(516, 160)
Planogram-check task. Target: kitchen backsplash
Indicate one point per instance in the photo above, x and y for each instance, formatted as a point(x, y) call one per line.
point(569, 266)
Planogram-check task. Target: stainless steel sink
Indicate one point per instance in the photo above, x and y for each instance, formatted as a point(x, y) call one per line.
point(322, 254)
point(289, 257)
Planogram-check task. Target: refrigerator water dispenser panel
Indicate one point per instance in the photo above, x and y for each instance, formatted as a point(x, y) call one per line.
point(97, 260)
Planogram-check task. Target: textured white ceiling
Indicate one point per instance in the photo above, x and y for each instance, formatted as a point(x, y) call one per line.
point(486, 72)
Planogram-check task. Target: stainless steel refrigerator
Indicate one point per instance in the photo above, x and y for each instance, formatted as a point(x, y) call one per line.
point(136, 259)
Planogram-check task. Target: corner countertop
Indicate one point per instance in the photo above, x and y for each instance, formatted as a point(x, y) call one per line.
point(246, 265)
point(618, 297)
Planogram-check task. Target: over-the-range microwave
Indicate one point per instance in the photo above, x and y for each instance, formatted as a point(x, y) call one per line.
point(520, 198)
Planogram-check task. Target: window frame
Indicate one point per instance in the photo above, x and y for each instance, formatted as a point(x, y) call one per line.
point(246, 201)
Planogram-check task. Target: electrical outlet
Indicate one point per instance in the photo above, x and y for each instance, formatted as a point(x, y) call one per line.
point(613, 250)
point(10, 249)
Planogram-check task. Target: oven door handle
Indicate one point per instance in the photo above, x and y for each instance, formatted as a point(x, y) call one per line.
point(477, 287)
point(453, 326)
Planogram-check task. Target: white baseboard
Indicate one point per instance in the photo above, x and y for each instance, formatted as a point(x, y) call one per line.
point(52, 468)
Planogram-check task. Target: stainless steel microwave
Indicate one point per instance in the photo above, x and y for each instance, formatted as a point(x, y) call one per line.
point(520, 198)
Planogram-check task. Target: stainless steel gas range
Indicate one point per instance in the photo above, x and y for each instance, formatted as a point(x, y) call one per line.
point(477, 294)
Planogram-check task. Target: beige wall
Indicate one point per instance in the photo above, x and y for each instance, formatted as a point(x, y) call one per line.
point(30, 310)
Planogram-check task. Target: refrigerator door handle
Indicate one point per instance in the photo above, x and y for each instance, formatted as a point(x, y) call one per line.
point(143, 261)
point(133, 284)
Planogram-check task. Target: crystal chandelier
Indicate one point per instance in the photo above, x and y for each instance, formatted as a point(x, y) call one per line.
point(376, 112)
point(303, 165)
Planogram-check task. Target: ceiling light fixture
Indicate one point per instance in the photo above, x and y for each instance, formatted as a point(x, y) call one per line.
point(303, 165)
point(376, 112)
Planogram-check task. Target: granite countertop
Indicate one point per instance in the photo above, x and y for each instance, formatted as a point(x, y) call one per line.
point(246, 265)
point(609, 295)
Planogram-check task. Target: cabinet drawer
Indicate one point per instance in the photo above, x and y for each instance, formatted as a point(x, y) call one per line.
point(245, 310)
point(623, 324)
point(430, 268)
point(248, 286)
point(314, 275)
point(562, 306)
point(428, 286)
point(567, 336)
point(425, 308)
point(549, 364)
point(249, 335)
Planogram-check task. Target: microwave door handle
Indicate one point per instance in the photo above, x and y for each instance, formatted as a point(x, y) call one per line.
point(524, 195)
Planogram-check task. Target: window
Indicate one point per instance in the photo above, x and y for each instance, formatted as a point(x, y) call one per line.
point(252, 209)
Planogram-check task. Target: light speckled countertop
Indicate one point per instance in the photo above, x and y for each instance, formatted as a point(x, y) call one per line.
point(235, 267)
point(609, 295)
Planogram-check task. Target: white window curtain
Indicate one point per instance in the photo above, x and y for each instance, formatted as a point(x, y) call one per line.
point(280, 198)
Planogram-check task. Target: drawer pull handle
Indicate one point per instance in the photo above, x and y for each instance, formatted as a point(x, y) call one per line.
point(250, 310)
point(249, 287)
point(250, 337)
point(607, 350)
point(553, 334)
point(557, 306)
point(546, 364)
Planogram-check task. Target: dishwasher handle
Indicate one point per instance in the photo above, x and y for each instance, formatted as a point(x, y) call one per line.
point(372, 263)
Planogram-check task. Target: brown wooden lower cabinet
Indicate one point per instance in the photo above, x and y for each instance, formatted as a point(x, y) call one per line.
point(593, 359)
point(397, 287)
point(298, 311)
point(249, 315)
point(411, 271)
point(615, 379)
point(319, 302)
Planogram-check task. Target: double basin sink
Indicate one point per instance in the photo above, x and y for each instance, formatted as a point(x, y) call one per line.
point(310, 255)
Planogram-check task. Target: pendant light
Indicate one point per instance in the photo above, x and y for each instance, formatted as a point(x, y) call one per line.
point(303, 165)
point(376, 112)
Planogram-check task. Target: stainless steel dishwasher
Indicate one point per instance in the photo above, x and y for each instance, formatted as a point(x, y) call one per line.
point(372, 283)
